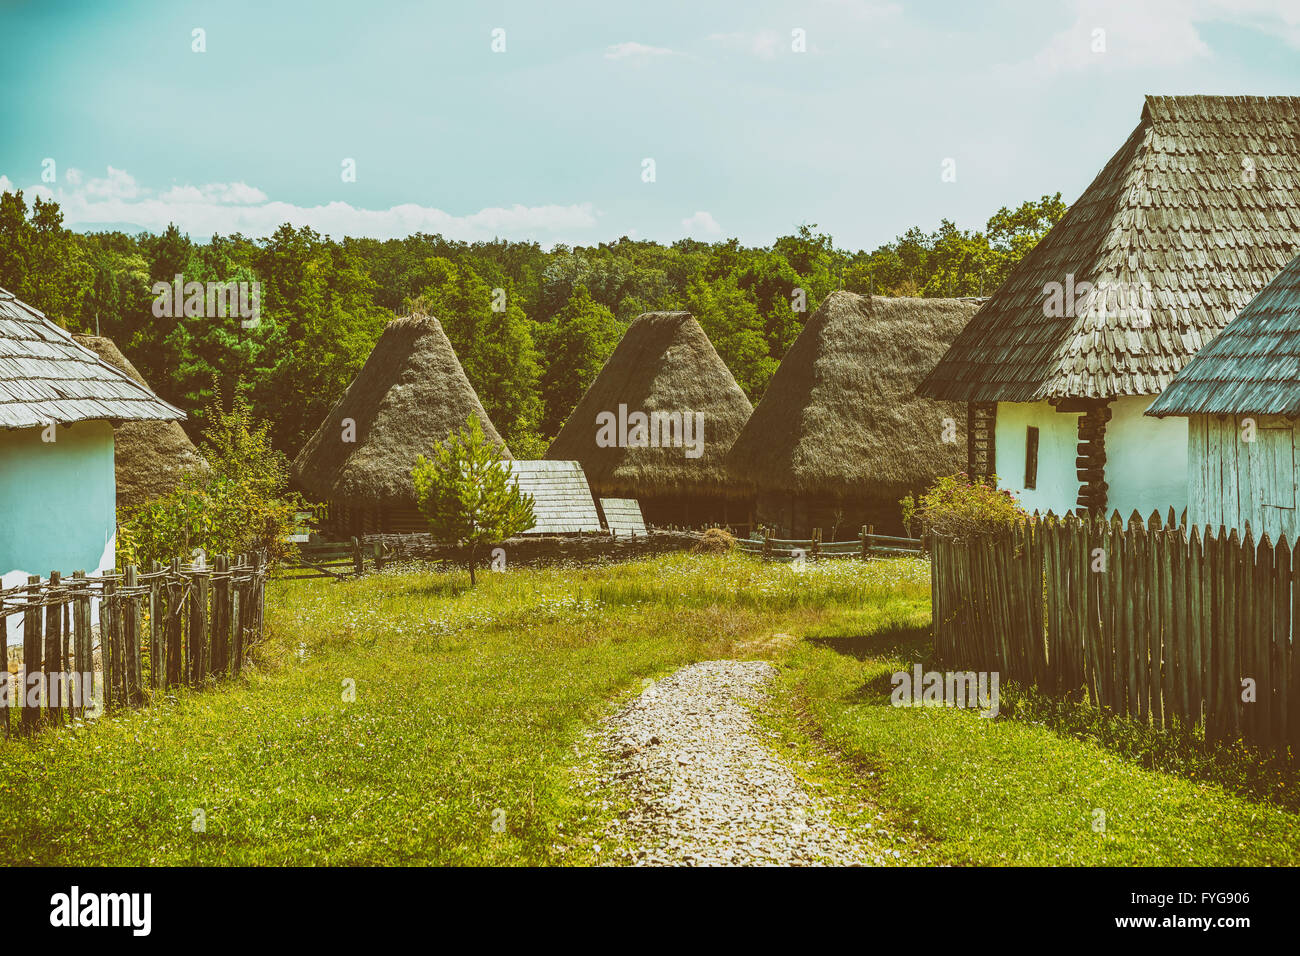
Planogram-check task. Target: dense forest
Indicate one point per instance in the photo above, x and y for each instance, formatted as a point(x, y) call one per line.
point(532, 326)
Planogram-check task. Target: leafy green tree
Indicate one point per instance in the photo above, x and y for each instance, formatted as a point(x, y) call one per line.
point(40, 261)
point(574, 345)
point(318, 304)
point(493, 339)
point(530, 326)
point(242, 503)
point(732, 323)
point(468, 494)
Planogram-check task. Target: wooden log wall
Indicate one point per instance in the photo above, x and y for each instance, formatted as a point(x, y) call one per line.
point(1171, 627)
point(1090, 460)
point(981, 447)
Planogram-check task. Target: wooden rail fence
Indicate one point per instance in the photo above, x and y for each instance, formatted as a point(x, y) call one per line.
point(181, 624)
point(867, 544)
point(1149, 621)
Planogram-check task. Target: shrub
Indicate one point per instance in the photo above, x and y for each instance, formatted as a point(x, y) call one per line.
point(715, 541)
point(468, 495)
point(240, 504)
point(959, 507)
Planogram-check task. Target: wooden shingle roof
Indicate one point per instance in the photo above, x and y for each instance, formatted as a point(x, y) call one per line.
point(562, 500)
point(47, 378)
point(1252, 367)
point(1198, 210)
point(623, 516)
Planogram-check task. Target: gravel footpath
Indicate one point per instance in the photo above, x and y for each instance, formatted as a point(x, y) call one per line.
point(705, 790)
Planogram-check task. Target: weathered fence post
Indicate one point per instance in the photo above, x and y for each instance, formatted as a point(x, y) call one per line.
point(357, 558)
point(379, 556)
point(31, 653)
point(83, 650)
point(131, 638)
point(862, 538)
point(53, 652)
point(175, 668)
point(238, 608)
point(107, 645)
point(259, 593)
point(815, 546)
point(6, 687)
point(220, 614)
point(199, 626)
point(156, 630)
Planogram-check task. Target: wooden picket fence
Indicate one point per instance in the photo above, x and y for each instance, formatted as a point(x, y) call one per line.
point(867, 544)
point(1148, 620)
point(183, 624)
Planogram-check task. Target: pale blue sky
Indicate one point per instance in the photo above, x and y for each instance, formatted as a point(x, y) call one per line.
point(547, 139)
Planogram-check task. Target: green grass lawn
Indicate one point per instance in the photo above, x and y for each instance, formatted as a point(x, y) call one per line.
point(469, 705)
point(1009, 791)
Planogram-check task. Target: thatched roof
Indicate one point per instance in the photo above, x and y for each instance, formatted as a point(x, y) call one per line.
point(664, 363)
point(1252, 367)
point(411, 394)
point(151, 456)
point(1194, 214)
point(46, 377)
point(840, 416)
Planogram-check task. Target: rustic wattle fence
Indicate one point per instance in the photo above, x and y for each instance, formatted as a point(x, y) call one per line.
point(164, 627)
point(866, 545)
point(1150, 621)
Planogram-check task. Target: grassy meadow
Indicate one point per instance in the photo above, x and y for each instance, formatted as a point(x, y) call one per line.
point(405, 718)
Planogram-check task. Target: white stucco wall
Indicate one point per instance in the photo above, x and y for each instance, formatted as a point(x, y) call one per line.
point(1146, 460)
point(57, 505)
point(1058, 441)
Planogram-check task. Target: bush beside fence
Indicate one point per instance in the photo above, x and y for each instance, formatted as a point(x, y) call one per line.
point(1148, 621)
point(183, 624)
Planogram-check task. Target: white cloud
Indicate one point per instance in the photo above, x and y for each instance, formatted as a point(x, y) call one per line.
point(868, 10)
point(238, 207)
point(118, 184)
point(702, 223)
point(1155, 33)
point(7, 185)
point(235, 193)
point(764, 43)
point(619, 51)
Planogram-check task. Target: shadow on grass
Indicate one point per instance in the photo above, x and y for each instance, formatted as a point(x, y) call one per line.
point(439, 586)
point(887, 645)
point(906, 642)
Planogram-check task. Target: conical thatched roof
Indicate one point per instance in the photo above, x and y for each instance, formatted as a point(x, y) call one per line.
point(664, 363)
point(841, 416)
point(411, 394)
point(151, 456)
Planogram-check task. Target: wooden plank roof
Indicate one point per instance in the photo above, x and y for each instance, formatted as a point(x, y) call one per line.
point(1252, 367)
point(1186, 223)
point(47, 378)
point(623, 516)
point(562, 500)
